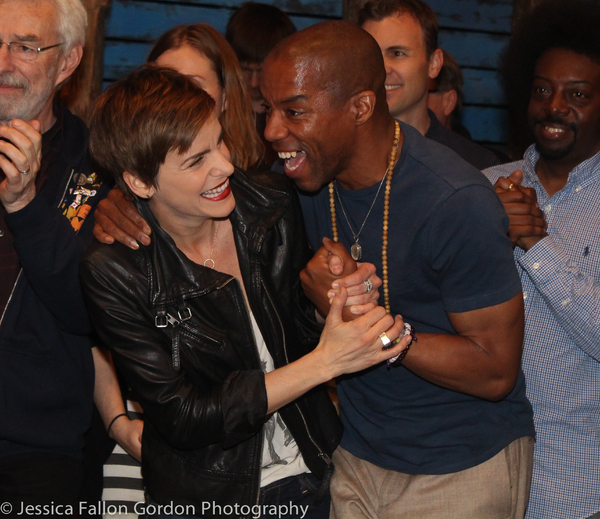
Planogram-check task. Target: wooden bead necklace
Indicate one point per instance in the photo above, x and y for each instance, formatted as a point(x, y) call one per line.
point(386, 214)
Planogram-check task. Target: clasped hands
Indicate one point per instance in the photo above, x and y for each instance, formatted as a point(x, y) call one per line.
point(20, 159)
point(332, 266)
point(356, 286)
point(527, 221)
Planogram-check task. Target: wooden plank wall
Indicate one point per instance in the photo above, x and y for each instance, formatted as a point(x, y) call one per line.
point(474, 31)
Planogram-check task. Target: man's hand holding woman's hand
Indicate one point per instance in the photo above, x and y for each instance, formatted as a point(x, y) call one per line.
point(331, 269)
point(348, 347)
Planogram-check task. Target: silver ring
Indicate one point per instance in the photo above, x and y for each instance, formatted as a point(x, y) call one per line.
point(26, 172)
point(385, 340)
point(368, 285)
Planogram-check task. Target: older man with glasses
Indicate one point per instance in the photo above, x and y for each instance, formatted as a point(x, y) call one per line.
point(47, 191)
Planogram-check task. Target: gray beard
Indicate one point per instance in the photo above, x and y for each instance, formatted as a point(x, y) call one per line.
point(27, 105)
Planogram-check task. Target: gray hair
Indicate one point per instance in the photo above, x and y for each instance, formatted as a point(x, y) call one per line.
point(72, 22)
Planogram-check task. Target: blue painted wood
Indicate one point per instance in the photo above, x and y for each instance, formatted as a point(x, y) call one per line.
point(327, 8)
point(495, 16)
point(120, 58)
point(146, 21)
point(486, 124)
point(473, 49)
point(482, 87)
point(474, 31)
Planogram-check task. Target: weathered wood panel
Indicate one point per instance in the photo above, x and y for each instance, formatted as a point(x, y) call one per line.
point(120, 58)
point(492, 16)
point(146, 21)
point(474, 31)
point(486, 124)
point(134, 25)
point(482, 87)
point(473, 49)
point(328, 8)
point(482, 15)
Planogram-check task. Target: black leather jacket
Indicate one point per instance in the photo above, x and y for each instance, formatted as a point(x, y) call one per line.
point(181, 335)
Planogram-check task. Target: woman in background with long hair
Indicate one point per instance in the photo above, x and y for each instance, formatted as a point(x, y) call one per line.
point(200, 52)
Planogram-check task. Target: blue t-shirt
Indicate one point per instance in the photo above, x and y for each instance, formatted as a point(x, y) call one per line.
point(448, 251)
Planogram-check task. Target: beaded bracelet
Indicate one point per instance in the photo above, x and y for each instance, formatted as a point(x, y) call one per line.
point(397, 360)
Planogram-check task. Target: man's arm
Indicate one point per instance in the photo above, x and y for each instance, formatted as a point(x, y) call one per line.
point(49, 249)
point(572, 296)
point(466, 249)
point(482, 360)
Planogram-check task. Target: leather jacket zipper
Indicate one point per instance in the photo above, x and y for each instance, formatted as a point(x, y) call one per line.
point(162, 319)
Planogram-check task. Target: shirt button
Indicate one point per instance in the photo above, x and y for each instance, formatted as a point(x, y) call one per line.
point(524, 295)
point(566, 302)
point(536, 266)
point(547, 207)
point(578, 188)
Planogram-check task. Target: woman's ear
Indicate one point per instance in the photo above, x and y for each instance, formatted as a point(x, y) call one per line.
point(224, 102)
point(137, 186)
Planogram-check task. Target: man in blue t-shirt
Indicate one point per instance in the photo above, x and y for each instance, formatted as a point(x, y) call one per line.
point(448, 433)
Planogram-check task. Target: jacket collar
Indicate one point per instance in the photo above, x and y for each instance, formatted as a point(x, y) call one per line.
point(259, 206)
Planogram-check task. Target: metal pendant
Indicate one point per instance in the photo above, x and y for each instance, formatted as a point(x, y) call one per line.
point(356, 251)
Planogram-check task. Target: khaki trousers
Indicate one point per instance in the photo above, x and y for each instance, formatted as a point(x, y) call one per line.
point(496, 489)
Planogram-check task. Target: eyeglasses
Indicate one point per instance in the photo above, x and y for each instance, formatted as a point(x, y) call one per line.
point(24, 52)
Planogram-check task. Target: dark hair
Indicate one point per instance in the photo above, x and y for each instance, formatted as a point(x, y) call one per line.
point(565, 24)
point(239, 130)
point(450, 78)
point(339, 57)
point(139, 119)
point(377, 10)
point(254, 29)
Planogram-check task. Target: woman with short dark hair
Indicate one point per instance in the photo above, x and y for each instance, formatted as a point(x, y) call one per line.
point(209, 324)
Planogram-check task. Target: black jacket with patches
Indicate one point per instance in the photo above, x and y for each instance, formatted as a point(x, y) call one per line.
point(46, 367)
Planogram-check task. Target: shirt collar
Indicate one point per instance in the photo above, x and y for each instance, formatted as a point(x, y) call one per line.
point(583, 173)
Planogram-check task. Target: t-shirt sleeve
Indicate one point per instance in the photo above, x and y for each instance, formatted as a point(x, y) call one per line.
point(471, 252)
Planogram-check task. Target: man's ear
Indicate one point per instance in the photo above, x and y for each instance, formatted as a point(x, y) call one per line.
point(137, 186)
point(449, 101)
point(69, 62)
point(362, 106)
point(436, 60)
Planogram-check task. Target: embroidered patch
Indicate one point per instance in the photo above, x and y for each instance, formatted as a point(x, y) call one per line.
point(75, 204)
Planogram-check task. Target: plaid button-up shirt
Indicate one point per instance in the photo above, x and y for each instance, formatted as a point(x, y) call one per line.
point(561, 360)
